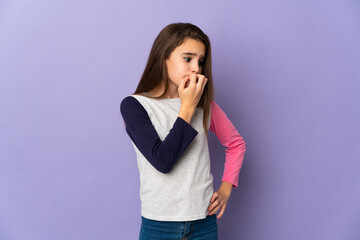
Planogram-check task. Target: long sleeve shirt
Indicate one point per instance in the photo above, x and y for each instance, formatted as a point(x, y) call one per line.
point(232, 140)
point(173, 157)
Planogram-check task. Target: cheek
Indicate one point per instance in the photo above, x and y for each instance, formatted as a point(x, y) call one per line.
point(169, 68)
point(177, 70)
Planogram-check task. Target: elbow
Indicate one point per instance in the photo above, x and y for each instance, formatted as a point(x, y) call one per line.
point(243, 145)
point(163, 161)
point(239, 144)
point(164, 169)
point(162, 166)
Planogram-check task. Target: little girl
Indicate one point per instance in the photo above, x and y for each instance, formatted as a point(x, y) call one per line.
point(167, 119)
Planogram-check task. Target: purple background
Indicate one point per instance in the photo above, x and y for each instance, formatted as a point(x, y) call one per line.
point(285, 72)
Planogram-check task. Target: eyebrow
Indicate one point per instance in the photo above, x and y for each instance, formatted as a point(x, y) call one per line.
point(192, 54)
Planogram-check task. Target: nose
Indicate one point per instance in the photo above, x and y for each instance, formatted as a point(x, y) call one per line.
point(195, 68)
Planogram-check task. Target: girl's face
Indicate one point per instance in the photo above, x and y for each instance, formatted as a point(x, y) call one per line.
point(185, 60)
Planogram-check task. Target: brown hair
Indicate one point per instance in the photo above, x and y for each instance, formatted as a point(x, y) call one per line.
point(155, 73)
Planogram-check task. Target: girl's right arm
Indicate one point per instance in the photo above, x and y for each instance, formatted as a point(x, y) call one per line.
point(164, 154)
point(161, 154)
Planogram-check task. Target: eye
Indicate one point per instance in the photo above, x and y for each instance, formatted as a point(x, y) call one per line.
point(188, 59)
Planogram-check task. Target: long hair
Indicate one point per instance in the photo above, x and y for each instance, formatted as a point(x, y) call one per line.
point(155, 73)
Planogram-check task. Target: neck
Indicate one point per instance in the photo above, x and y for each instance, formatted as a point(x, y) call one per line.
point(172, 91)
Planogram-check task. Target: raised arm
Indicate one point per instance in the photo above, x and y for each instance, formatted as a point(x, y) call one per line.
point(161, 154)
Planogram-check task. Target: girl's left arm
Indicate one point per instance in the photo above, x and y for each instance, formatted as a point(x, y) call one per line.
point(232, 140)
point(234, 156)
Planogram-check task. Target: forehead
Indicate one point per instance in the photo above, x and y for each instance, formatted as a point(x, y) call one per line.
point(191, 45)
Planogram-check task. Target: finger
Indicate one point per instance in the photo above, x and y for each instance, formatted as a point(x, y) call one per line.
point(216, 202)
point(219, 204)
point(182, 84)
point(215, 210)
point(211, 206)
point(215, 195)
point(222, 211)
point(200, 80)
point(204, 83)
point(193, 81)
point(214, 205)
point(186, 84)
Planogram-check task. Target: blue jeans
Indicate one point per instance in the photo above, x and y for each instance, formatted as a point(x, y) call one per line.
point(168, 230)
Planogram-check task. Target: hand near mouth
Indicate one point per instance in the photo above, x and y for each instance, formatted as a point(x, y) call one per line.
point(190, 91)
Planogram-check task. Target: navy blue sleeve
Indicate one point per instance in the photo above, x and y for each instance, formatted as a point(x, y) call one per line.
point(161, 154)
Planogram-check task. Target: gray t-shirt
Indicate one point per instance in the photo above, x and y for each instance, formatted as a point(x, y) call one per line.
point(183, 193)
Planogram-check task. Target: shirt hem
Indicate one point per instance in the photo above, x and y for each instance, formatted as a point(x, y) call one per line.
point(174, 218)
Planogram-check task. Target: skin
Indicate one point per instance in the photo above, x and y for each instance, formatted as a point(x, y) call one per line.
point(181, 67)
point(187, 83)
